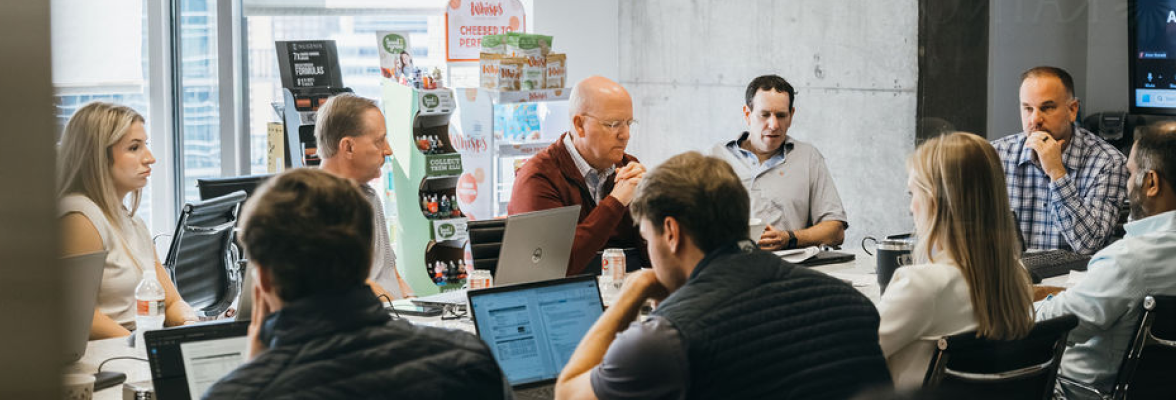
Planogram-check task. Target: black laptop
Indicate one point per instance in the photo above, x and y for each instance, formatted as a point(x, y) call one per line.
point(187, 360)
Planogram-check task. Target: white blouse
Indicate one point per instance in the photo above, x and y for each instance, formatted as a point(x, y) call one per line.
point(921, 304)
point(116, 297)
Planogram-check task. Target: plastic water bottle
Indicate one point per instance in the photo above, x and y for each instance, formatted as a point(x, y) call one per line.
point(149, 306)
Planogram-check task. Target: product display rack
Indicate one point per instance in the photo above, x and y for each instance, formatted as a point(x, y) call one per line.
point(424, 170)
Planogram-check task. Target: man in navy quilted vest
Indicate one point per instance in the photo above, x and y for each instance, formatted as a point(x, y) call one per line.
point(731, 321)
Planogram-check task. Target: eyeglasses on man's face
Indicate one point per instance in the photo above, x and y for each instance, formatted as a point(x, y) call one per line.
point(614, 125)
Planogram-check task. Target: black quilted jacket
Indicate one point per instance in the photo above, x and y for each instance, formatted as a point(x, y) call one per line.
point(347, 347)
point(756, 327)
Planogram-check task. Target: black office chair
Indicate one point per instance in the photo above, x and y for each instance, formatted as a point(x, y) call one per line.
point(217, 187)
point(1146, 374)
point(486, 243)
point(1014, 369)
point(202, 259)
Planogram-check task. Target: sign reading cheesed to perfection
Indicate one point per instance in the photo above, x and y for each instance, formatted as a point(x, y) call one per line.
point(466, 21)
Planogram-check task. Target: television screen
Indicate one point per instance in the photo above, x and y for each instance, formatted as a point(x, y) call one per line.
point(1152, 42)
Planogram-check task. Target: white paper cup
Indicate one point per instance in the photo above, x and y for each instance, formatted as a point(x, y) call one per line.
point(77, 387)
point(755, 229)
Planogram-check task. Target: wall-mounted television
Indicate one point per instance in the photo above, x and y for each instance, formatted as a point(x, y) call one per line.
point(1152, 43)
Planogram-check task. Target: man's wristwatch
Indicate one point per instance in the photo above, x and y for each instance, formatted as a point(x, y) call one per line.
point(791, 240)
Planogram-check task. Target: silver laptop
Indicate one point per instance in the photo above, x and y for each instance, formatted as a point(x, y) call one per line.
point(532, 329)
point(536, 246)
point(83, 278)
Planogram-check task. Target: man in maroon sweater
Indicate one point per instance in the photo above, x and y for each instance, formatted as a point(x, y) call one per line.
point(588, 166)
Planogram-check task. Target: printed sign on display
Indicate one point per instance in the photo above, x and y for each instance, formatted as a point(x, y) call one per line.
point(439, 101)
point(449, 229)
point(443, 164)
point(467, 21)
point(308, 63)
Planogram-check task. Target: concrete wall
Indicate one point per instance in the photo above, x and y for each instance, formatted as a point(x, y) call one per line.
point(1088, 38)
point(586, 31)
point(853, 62)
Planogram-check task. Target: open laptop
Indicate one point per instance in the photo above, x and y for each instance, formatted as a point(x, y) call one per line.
point(187, 360)
point(533, 328)
point(535, 246)
point(83, 277)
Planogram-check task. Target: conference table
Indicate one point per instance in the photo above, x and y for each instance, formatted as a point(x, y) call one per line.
point(860, 273)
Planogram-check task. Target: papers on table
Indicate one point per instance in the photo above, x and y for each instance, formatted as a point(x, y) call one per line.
point(795, 256)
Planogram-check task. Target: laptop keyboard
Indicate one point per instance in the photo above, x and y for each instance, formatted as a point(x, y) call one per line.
point(1050, 263)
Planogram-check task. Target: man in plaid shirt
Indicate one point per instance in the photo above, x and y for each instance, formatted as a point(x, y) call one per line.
point(1065, 183)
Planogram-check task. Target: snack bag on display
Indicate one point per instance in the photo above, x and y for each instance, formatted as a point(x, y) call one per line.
point(557, 71)
point(488, 64)
point(510, 44)
point(510, 73)
point(493, 44)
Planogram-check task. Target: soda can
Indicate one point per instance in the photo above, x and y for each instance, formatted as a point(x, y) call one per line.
point(480, 279)
point(612, 264)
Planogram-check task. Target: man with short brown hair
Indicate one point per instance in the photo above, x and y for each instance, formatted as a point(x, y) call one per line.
point(352, 141)
point(732, 321)
point(317, 331)
point(1065, 183)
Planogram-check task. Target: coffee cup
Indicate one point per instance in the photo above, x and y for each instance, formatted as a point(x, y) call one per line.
point(77, 387)
point(755, 229)
point(892, 252)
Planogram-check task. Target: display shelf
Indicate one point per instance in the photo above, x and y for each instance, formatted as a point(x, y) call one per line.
point(425, 164)
point(498, 131)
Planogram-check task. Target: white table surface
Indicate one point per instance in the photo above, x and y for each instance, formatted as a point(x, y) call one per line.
point(860, 272)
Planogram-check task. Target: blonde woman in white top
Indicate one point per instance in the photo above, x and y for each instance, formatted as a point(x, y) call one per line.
point(967, 274)
point(103, 159)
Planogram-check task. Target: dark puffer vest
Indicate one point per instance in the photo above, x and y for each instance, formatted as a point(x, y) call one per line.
point(347, 347)
point(756, 327)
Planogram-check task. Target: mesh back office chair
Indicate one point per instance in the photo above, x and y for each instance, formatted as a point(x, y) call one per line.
point(486, 243)
point(1149, 365)
point(217, 187)
point(202, 260)
point(1015, 369)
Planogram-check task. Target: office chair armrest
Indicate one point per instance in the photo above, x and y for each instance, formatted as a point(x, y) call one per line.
point(1082, 387)
point(210, 230)
point(1003, 375)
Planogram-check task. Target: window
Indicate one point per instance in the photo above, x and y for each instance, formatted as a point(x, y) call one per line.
point(355, 39)
point(77, 86)
point(199, 102)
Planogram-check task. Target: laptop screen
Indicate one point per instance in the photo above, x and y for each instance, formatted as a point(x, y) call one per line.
point(186, 361)
point(533, 329)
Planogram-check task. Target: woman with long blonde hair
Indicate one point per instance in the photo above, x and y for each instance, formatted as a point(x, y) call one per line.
point(102, 160)
point(967, 274)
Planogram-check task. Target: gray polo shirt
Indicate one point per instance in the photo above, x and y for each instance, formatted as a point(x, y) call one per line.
point(383, 259)
point(790, 195)
point(646, 361)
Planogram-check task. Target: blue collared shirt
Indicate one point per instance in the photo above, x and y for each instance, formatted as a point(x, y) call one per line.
point(594, 178)
point(1109, 300)
point(753, 161)
point(1077, 212)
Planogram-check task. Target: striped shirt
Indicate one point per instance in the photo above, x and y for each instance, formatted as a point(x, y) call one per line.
point(1077, 212)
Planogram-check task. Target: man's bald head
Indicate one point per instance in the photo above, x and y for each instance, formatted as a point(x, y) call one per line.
point(595, 104)
point(594, 91)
